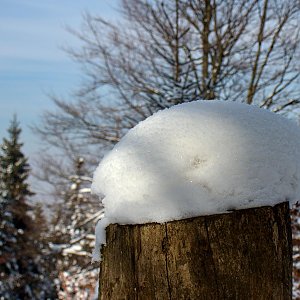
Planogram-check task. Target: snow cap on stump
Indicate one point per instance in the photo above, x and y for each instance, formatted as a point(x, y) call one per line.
point(199, 158)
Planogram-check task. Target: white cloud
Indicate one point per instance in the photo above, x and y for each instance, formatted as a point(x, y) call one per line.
point(30, 39)
point(34, 29)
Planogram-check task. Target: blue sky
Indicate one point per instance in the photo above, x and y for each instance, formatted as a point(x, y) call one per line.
point(32, 62)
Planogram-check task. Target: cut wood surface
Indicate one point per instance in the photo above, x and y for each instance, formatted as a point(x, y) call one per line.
point(245, 254)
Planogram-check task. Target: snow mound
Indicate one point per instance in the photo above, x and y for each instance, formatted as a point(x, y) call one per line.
point(199, 158)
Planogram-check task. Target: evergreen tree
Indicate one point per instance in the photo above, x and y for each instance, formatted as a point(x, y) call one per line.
point(21, 276)
point(73, 238)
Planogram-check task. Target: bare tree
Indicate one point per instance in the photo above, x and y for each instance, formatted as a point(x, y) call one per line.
point(170, 52)
point(162, 53)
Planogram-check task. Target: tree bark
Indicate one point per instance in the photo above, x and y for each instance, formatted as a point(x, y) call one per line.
point(245, 254)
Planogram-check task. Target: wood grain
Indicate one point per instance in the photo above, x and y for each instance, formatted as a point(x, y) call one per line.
point(245, 254)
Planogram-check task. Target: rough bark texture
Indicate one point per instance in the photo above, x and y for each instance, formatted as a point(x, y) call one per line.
point(246, 254)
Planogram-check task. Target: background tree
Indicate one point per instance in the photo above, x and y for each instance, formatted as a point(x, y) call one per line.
point(165, 53)
point(21, 274)
point(72, 239)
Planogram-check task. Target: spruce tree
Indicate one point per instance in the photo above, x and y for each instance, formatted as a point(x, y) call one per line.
point(20, 272)
point(73, 236)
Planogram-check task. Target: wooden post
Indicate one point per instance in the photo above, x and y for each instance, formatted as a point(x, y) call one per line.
point(246, 254)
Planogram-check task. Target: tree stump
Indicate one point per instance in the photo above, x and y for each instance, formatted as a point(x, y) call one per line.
point(245, 254)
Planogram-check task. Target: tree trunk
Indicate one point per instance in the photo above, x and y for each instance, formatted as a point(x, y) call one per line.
point(246, 254)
